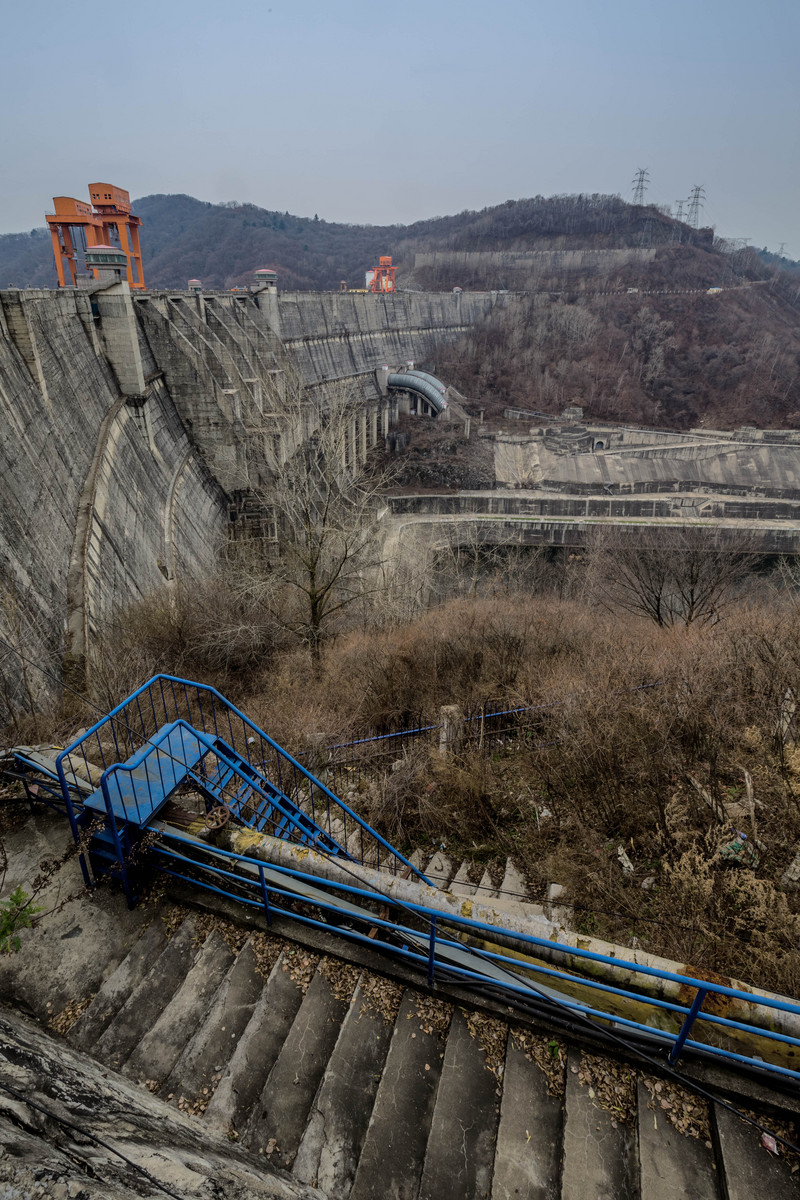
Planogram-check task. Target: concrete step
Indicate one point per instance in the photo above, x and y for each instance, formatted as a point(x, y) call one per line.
point(514, 886)
point(599, 1151)
point(460, 884)
point(530, 1135)
point(459, 1159)
point(204, 1059)
point(392, 1159)
point(331, 1145)
point(440, 870)
point(95, 1019)
point(258, 1047)
point(486, 890)
point(672, 1165)
point(279, 1117)
point(145, 1003)
point(748, 1170)
point(161, 1047)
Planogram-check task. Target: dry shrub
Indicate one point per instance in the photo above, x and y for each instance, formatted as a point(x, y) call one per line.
point(198, 630)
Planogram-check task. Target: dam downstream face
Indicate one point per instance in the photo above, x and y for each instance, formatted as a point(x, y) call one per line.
point(125, 422)
point(126, 419)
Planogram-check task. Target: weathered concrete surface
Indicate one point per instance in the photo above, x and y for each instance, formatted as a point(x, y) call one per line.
point(41, 1158)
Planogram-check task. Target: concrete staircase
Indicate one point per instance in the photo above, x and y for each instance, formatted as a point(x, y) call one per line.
point(368, 1089)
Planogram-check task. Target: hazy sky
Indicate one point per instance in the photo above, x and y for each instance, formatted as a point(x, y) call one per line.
point(365, 111)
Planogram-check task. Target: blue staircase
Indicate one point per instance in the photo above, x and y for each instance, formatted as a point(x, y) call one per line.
point(239, 786)
point(131, 795)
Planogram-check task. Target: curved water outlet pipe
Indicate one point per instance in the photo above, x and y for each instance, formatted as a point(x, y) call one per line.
point(412, 383)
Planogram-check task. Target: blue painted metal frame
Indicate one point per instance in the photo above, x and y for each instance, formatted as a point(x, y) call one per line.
point(117, 736)
point(421, 945)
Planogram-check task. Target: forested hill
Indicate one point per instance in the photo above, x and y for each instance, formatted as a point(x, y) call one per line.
point(222, 244)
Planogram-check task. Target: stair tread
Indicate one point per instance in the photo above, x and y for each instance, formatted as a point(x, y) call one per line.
point(747, 1168)
point(394, 1148)
point(159, 1049)
point(281, 1112)
point(256, 1052)
point(113, 993)
point(146, 1001)
point(461, 885)
point(597, 1152)
point(440, 870)
point(209, 1051)
point(460, 1154)
point(672, 1165)
point(331, 1145)
point(529, 1137)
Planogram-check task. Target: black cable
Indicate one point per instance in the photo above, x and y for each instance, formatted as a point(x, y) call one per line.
point(92, 1136)
point(590, 1022)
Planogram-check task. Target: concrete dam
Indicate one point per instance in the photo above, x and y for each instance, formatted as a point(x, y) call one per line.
point(128, 420)
point(124, 425)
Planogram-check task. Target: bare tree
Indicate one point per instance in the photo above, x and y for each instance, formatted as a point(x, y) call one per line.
point(678, 575)
point(325, 501)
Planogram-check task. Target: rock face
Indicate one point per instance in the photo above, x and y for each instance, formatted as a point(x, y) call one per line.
point(44, 1083)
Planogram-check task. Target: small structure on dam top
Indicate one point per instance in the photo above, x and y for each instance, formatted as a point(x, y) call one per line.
point(107, 216)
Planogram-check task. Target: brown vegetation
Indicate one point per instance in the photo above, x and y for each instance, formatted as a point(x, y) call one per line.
point(668, 360)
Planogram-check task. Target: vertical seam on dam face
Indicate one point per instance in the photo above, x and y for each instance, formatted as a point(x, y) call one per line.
point(77, 587)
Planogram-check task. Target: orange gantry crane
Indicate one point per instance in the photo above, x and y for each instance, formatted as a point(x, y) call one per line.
point(381, 278)
point(109, 210)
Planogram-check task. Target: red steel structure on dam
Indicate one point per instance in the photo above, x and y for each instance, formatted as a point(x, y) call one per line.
point(107, 217)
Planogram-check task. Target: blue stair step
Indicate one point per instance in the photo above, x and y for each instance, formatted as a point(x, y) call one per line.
point(138, 788)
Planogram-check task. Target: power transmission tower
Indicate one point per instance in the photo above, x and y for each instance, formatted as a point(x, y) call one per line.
point(677, 232)
point(640, 181)
point(696, 202)
point(781, 249)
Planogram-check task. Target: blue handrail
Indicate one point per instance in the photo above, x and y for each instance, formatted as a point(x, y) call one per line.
point(433, 947)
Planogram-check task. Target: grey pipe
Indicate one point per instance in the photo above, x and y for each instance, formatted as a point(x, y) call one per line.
point(412, 383)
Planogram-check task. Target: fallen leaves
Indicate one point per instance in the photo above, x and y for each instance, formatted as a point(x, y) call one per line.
point(612, 1085)
point(380, 995)
point(341, 976)
point(491, 1035)
point(549, 1055)
point(685, 1111)
point(62, 1022)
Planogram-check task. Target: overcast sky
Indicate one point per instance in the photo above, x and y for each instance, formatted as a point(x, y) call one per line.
point(366, 111)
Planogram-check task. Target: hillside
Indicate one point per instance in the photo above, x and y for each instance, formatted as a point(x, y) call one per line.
point(222, 244)
point(668, 359)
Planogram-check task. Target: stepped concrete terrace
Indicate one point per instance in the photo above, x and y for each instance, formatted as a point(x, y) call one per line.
point(232, 1060)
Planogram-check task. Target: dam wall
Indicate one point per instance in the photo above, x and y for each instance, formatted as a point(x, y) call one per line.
point(126, 422)
point(536, 262)
point(102, 495)
point(347, 335)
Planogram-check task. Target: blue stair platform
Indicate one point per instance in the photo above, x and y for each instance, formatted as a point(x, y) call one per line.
point(138, 788)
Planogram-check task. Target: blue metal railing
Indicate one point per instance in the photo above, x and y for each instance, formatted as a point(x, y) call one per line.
point(165, 699)
point(429, 939)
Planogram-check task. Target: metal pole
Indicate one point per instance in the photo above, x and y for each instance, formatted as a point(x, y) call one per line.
point(432, 952)
point(697, 1004)
point(265, 895)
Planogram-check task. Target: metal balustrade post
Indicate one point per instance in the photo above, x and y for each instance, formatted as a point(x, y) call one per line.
point(686, 1028)
point(432, 952)
point(265, 895)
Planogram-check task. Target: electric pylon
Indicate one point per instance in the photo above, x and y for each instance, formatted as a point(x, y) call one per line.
point(696, 202)
point(640, 181)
